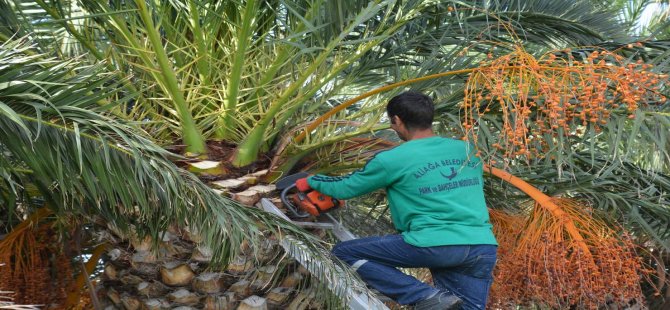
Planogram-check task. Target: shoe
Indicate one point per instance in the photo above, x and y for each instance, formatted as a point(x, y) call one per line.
point(441, 301)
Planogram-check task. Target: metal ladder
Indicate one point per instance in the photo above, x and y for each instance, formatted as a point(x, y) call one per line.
point(360, 298)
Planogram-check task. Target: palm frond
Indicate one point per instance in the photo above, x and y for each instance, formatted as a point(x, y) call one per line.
point(628, 193)
point(449, 37)
point(84, 164)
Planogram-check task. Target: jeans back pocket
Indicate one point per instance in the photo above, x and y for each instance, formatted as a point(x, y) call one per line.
point(481, 266)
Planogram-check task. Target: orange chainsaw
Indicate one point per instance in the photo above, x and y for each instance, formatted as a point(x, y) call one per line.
point(304, 204)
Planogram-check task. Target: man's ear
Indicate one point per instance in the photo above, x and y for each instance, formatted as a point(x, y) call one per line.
point(397, 120)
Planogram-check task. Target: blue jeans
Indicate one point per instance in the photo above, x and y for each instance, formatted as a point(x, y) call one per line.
point(462, 270)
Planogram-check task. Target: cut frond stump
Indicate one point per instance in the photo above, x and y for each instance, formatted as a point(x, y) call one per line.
point(131, 279)
point(207, 167)
point(263, 190)
point(248, 197)
point(292, 280)
point(253, 303)
point(145, 257)
point(229, 184)
point(192, 234)
point(263, 277)
point(114, 296)
point(208, 283)
point(176, 274)
point(184, 297)
point(111, 272)
point(130, 302)
point(303, 299)
point(220, 302)
point(277, 296)
point(268, 250)
point(239, 265)
point(144, 264)
point(141, 243)
point(184, 308)
point(241, 288)
point(156, 304)
point(202, 254)
point(245, 248)
point(152, 289)
point(175, 249)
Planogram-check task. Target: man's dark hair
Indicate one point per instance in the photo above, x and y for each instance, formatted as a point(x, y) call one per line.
point(415, 109)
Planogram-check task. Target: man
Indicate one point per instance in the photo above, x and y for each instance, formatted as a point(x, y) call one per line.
point(434, 187)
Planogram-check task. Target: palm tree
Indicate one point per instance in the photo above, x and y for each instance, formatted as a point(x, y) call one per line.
point(74, 170)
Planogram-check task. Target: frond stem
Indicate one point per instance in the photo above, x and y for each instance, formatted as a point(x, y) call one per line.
point(373, 92)
point(545, 201)
point(65, 128)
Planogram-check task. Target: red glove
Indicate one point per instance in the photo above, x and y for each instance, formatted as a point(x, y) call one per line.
point(302, 185)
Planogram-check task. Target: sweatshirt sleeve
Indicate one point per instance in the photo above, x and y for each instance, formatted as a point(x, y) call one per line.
point(373, 176)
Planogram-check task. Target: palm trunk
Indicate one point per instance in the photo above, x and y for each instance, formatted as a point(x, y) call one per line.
point(180, 273)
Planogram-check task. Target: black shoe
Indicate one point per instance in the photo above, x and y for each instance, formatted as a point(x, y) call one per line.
point(441, 301)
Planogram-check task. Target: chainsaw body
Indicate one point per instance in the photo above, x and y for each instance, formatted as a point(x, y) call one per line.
point(304, 204)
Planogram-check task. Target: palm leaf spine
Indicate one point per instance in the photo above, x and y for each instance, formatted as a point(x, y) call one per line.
point(85, 42)
point(194, 140)
point(224, 128)
point(68, 26)
point(311, 126)
point(199, 37)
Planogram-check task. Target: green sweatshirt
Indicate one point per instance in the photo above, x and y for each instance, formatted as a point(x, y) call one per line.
point(434, 187)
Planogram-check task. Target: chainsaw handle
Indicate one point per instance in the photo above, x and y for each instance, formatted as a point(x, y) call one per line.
point(289, 205)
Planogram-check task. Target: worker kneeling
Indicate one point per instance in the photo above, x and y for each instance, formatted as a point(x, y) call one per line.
point(435, 192)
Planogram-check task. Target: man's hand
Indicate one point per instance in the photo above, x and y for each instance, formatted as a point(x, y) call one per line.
point(302, 185)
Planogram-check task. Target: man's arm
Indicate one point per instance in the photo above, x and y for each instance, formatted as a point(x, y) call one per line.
point(373, 176)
